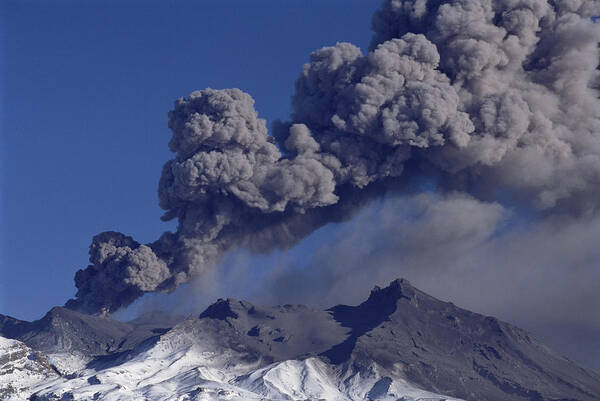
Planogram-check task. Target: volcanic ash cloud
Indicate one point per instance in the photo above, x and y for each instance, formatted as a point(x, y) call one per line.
point(495, 98)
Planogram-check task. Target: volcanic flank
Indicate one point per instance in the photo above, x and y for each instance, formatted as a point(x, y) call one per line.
point(400, 342)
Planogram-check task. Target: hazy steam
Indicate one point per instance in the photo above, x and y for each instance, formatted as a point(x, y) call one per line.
point(498, 98)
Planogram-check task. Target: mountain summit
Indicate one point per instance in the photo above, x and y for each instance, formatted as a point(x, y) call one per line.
point(450, 350)
point(399, 344)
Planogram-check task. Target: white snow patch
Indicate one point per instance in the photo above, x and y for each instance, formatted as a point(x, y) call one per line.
point(20, 369)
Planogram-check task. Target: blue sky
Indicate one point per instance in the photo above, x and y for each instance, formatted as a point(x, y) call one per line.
point(86, 87)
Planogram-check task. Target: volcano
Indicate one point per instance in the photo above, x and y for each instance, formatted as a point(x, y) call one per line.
point(399, 344)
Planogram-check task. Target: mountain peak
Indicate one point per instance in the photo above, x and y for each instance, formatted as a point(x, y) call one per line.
point(224, 308)
point(390, 295)
point(62, 312)
point(398, 288)
point(399, 334)
point(399, 282)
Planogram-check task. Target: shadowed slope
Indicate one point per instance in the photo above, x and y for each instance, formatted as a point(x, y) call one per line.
point(452, 351)
point(63, 330)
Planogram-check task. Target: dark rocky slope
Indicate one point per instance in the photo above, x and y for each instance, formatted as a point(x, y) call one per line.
point(438, 346)
point(65, 330)
point(452, 351)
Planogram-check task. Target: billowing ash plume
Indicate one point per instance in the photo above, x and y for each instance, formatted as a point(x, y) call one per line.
point(496, 97)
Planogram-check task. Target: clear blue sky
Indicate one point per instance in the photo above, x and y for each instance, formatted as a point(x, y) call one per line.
point(86, 87)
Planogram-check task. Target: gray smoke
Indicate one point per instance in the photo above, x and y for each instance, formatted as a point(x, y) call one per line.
point(496, 98)
point(540, 274)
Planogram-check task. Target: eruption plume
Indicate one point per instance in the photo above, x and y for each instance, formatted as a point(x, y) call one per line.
point(495, 98)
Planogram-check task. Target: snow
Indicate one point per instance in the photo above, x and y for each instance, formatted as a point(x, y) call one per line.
point(20, 369)
point(237, 351)
point(68, 363)
point(293, 379)
point(183, 367)
point(215, 358)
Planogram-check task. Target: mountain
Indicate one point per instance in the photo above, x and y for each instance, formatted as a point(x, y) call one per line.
point(452, 351)
point(21, 368)
point(400, 344)
point(71, 339)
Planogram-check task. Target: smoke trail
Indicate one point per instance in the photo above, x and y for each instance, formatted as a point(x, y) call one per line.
point(497, 97)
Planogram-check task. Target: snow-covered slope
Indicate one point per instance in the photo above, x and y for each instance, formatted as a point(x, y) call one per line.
point(20, 369)
point(315, 379)
point(400, 344)
point(180, 368)
point(64, 331)
point(236, 351)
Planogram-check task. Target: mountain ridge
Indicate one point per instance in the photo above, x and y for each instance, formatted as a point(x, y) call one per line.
point(399, 339)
